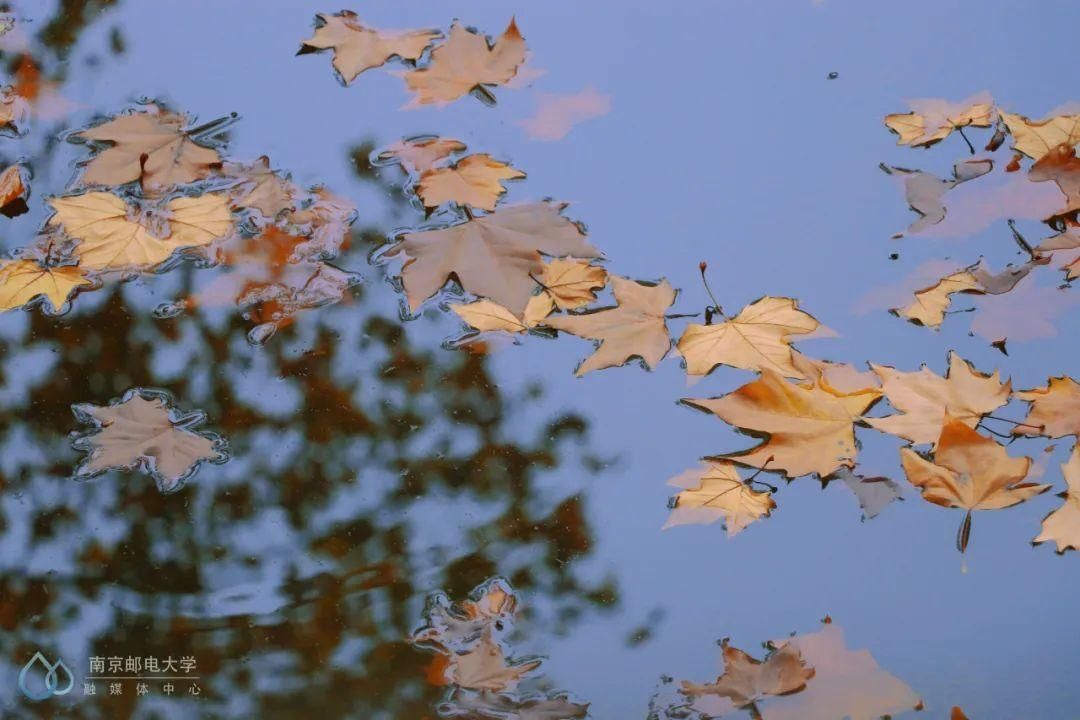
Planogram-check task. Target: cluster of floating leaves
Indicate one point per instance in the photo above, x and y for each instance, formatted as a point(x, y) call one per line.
point(475, 663)
point(463, 62)
point(156, 192)
point(1046, 190)
point(532, 271)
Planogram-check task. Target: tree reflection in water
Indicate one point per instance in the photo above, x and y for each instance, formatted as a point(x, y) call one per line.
point(369, 467)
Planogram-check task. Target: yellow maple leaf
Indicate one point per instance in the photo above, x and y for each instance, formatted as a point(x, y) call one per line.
point(1063, 525)
point(465, 62)
point(932, 120)
point(487, 316)
point(755, 339)
point(1037, 138)
point(809, 428)
point(109, 240)
point(923, 398)
point(635, 327)
point(571, 284)
point(970, 472)
point(1055, 409)
point(929, 306)
point(475, 181)
point(715, 491)
point(358, 48)
point(23, 280)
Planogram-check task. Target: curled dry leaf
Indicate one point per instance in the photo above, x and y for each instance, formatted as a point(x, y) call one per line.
point(571, 284)
point(931, 304)
point(809, 428)
point(635, 327)
point(110, 240)
point(1055, 409)
point(747, 680)
point(923, 398)
point(475, 181)
point(486, 316)
point(495, 256)
point(1062, 526)
point(13, 192)
point(466, 62)
point(758, 338)
point(1036, 139)
point(153, 147)
point(715, 491)
point(932, 120)
point(873, 493)
point(847, 683)
point(419, 154)
point(21, 281)
point(142, 430)
point(925, 192)
point(358, 48)
point(970, 472)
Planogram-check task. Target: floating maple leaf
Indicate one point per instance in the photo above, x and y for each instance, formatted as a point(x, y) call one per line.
point(1061, 166)
point(260, 187)
point(970, 472)
point(1036, 139)
point(22, 281)
point(747, 680)
point(13, 192)
point(465, 62)
point(839, 376)
point(485, 667)
point(571, 284)
point(142, 430)
point(809, 428)
point(715, 491)
point(923, 398)
point(110, 240)
point(847, 684)
point(475, 181)
point(933, 120)
point(487, 316)
point(759, 337)
point(495, 256)
point(1055, 409)
point(635, 327)
point(151, 146)
point(1063, 525)
point(420, 153)
point(358, 48)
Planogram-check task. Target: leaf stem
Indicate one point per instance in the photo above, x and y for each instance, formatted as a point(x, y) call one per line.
point(971, 147)
point(703, 266)
point(1014, 422)
point(963, 534)
point(214, 126)
point(1024, 245)
point(468, 212)
point(676, 316)
point(753, 478)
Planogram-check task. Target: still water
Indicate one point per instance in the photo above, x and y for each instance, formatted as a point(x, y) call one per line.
point(254, 462)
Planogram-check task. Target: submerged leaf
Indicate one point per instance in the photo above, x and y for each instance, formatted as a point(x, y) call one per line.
point(142, 431)
point(747, 681)
point(358, 48)
point(635, 327)
point(420, 154)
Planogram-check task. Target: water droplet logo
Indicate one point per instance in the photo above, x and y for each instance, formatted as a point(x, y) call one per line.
point(50, 681)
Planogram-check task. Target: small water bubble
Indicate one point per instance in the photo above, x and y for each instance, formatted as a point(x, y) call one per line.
point(164, 311)
point(260, 334)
